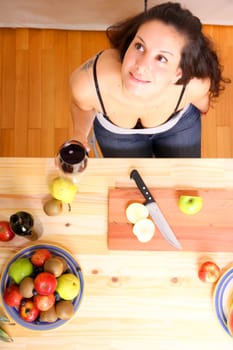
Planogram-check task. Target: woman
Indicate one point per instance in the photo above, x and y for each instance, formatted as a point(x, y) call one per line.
point(144, 96)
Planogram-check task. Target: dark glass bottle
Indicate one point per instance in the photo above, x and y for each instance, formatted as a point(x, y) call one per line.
point(22, 224)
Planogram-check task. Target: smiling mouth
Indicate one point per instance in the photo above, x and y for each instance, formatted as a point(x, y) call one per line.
point(137, 80)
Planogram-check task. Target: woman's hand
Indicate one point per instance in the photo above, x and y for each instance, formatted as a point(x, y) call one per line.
point(83, 140)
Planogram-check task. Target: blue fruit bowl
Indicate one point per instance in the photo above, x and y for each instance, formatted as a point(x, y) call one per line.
point(72, 266)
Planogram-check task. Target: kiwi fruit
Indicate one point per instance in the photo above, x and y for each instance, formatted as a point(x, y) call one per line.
point(65, 266)
point(48, 315)
point(64, 309)
point(53, 207)
point(54, 266)
point(26, 287)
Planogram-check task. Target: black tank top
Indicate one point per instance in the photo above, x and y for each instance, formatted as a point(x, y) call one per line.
point(138, 125)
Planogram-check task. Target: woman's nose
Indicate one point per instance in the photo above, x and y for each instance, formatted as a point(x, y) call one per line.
point(142, 64)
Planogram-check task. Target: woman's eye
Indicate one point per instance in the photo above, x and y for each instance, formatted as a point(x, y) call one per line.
point(161, 59)
point(139, 47)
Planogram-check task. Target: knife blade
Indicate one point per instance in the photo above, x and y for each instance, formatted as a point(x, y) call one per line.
point(155, 211)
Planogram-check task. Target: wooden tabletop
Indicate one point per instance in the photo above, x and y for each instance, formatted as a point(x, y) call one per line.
point(132, 299)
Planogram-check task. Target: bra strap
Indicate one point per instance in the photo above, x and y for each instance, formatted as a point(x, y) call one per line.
point(97, 85)
point(180, 98)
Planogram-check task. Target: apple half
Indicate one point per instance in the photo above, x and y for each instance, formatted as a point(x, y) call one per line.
point(143, 227)
point(144, 230)
point(136, 211)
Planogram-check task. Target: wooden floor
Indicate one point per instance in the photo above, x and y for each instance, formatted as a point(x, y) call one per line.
point(35, 65)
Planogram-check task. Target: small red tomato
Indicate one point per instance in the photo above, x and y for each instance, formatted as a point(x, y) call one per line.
point(6, 234)
point(40, 256)
point(209, 272)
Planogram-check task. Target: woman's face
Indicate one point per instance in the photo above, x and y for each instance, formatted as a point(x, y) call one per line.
point(151, 62)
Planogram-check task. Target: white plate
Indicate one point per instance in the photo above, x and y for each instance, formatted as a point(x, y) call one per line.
point(223, 297)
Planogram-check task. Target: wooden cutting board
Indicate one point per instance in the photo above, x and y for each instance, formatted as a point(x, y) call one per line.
point(209, 230)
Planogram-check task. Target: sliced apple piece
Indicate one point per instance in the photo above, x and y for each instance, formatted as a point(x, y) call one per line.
point(144, 230)
point(136, 211)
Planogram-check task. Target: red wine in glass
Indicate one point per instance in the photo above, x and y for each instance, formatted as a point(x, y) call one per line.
point(72, 158)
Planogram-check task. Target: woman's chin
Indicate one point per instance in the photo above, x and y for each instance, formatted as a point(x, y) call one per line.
point(134, 90)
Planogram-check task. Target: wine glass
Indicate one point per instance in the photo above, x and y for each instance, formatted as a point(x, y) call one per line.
point(71, 159)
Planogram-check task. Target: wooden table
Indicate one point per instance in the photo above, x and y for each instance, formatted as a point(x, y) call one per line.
point(132, 300)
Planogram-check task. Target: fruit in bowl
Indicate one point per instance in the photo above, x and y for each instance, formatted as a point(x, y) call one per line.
point(44, 302)
point(31, 295)
point(45, 283)
point(20, 269)
point(12, 295)
point(68, 286)
point(28, 311)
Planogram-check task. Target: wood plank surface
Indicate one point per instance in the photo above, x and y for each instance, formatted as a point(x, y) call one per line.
point(132, 299)
point(209, 230)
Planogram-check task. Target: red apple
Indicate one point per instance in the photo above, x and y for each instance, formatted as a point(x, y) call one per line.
point(12, 296)
point(45, 283)
point(6, 234)
point(28, 311)
point(209, 272)
point(44, 302)
point(40, 256)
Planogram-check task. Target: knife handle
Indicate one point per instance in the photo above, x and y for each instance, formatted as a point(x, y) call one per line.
point(134, 174)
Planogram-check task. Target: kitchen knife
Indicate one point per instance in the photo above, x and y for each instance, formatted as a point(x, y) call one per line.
point(155, 211)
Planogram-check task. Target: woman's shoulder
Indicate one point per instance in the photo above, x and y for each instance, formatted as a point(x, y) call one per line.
point(82, 79)
point(109, 63)
point(198, 87)
point(198, 93)
point(106, 59)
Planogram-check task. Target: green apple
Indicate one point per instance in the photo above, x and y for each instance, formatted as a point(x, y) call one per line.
point(190, 204)
point(68, 286)
point(20, 269)
point(63, 189)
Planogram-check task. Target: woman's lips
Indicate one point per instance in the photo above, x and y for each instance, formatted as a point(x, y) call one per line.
point(138, 80)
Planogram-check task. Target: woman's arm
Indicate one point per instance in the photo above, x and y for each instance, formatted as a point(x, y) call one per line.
point(199, 94)
point(83, 101)
point(82, 123)
point(203, 103)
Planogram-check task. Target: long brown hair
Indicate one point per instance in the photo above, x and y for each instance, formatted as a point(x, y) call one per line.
point(198, 58)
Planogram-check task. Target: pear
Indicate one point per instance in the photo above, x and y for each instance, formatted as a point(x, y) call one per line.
point(63, 189)
point(68, 286)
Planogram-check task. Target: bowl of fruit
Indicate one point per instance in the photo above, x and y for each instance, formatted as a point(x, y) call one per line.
point(42, 287)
